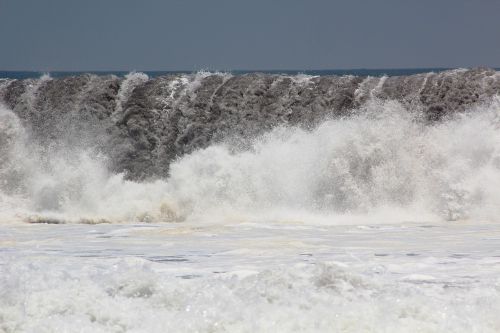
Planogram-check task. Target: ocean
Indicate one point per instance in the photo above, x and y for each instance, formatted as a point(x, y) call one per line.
point(358, 72)
point(250, 201)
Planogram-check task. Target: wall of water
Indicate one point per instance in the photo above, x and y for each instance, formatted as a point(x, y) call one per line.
point(212, 146)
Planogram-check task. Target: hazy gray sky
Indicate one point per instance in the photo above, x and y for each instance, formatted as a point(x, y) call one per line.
point(247, 34)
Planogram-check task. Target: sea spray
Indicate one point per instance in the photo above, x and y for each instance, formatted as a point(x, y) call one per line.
point(384, 157)
point(294, 158)
point(143, 124)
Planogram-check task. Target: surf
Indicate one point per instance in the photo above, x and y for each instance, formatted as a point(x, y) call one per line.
point(382, 159)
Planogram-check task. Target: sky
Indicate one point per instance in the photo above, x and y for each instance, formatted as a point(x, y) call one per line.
point(51, 35)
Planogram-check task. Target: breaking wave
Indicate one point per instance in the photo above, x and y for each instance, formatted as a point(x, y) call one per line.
point(383, 163)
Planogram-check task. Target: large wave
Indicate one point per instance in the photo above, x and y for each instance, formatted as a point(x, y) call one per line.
point(67, 157)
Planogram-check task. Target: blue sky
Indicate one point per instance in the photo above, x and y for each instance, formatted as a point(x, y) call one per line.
point(258, 34)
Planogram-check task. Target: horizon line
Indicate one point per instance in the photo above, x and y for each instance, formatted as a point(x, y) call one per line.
point(237, 70)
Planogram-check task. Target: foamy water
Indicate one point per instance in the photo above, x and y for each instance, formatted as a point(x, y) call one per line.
point(250, 278)
point(382, 164)
point(377, 221)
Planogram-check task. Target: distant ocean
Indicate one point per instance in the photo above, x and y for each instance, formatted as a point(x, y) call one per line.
point(321, 72)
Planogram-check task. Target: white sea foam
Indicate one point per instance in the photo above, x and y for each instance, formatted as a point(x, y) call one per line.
point(131, 81)
point(250, 278)
point(316, 237)
point(382, 159)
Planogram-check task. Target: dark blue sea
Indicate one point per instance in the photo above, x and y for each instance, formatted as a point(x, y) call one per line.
point(357, 72)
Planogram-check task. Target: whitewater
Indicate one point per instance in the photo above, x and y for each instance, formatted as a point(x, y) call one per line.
point(213, 202)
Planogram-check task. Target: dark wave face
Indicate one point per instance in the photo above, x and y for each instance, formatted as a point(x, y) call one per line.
point(95, 148)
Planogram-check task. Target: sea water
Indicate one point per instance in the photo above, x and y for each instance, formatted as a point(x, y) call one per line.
point(251, 277)
point(373, 222)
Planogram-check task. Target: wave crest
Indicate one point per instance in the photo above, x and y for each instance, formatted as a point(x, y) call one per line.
point(383, 163)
